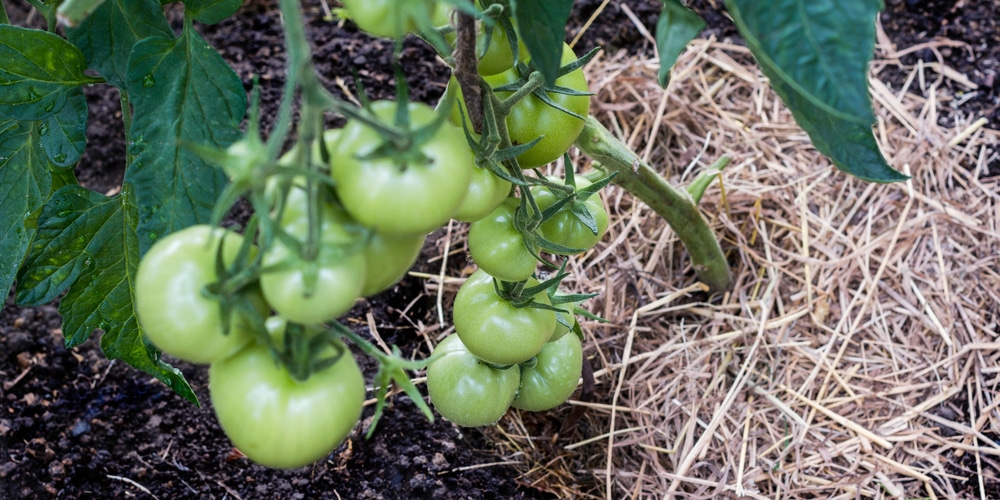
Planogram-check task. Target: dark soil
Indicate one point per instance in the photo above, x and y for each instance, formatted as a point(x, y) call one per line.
point(74, 425)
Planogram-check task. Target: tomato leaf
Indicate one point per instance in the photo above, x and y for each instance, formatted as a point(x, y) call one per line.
point(211, 11)
point(72, 12)
point(39, 70)
point(542, 26)
point(64, 134)
point(816, 55)
point(107, 36)
point(86, 245)
point(25, 174)
point(182, 92)
point(676, 26)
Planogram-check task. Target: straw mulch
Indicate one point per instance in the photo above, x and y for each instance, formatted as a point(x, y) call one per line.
point(857, 354)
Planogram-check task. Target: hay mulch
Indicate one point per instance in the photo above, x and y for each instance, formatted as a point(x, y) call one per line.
point(857, 354)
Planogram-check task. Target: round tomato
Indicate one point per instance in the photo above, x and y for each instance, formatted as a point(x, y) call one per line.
point(338, 277)
point(467, 391)
point(496, 331)
point(396, 197)
point(387, 258)
point(498, 248)
point(531, 117)
point(281, 422)
point(565, 228)
point(554, 376)
point(486, 192)
point(497, 56)
point(388, 18)
point(170, 301)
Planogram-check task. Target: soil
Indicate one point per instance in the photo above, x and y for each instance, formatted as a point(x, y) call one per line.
point(75, 425)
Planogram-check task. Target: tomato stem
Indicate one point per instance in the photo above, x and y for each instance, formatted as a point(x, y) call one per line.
point(675, 206)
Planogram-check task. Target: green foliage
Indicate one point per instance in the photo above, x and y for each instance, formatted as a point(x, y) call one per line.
point(87, 246)
point(677, 26)
point(106, 37)
point(542, 26)
point(39, 72)
point(816, 54)
point(58, 237)
point(183, 93)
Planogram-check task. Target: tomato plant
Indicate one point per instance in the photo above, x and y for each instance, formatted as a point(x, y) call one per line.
point(396, 170)
point(172, 300)
point(281, 422)
point(553, 377)
point(468, 391)
point(495, 329)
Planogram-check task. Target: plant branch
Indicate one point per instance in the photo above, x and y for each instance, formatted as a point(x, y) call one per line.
point(466, 69)
point(675, 206)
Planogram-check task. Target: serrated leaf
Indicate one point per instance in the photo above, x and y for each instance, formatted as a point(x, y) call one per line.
point(86, 244)
point(542, 27)
point(38, 72)
point(182, 92)
point(211, 11)
point(107, 36)
point(816, 55)
point(25, 175)
point(676, 26)
point(65, 135)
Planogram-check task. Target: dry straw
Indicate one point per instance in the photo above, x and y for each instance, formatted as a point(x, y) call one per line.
point(858, 353)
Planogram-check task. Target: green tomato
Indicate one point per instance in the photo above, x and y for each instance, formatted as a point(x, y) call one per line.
point(173, 310)
point(388, 258)
point(388, 18)
point(498, 248)
point(339, 277)
point(554, 376)
point(566, 228)
point(278, 421)
point(401, 198)
point(497, 56)
point(531, 117)
point(486, 192)
point(467, 391)
point(496, 331)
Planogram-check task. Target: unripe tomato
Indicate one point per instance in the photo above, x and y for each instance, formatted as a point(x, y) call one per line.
point(170, 301)
point(467, 391)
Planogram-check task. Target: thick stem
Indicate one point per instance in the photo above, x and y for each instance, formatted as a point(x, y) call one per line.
point(466, 69)
point(675, 206)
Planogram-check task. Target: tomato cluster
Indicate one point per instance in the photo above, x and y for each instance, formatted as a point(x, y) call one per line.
point(344, 216)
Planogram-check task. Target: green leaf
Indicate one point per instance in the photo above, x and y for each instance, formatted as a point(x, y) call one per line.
point(677, 26)
point(72, 12)
point(182, 92)
point(27, 183)
point(106, 37)
point(38, 72)
point(211, 11)
point(542, 27)
point(87, 245)
point(64, 134)
point(816, 54)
